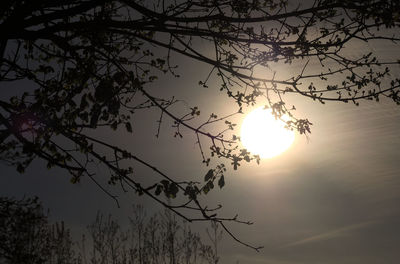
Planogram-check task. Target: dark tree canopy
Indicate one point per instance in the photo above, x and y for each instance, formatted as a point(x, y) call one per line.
point(27, 237)
point(86, 64)
point(22, 230)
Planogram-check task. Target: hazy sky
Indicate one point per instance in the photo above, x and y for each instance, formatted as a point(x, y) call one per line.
point(333, 198)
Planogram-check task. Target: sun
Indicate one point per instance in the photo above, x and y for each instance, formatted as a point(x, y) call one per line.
point(263, 135)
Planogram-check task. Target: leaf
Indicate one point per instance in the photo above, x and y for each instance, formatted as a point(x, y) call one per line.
point(159, 189)
point(221, 182)
point(20, 168)
point(114, 125)
point(74, 180)
point(104, 90)
point(206, 189)
point(119, 77)
point(95, 116)
point(128, 127)
point(173, 190)
point(191, 192)
point(165, 183)
point(209, 175)
point(84, 102)
point(235, 163)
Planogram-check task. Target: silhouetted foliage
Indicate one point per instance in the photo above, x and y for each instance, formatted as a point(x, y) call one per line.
point(27, 237)
point(87, 64)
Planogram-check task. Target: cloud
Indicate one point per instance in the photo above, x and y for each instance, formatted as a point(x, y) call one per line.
point(340, 232)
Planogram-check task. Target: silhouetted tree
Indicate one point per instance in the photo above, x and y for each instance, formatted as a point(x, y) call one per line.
point(87, 64)
point(158, 239)
point(27, 237)
point(210, 252)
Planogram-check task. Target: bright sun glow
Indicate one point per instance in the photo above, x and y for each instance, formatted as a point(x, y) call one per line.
point(263, 135)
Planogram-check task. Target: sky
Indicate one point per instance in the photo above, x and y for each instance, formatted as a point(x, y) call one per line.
point(331, 198)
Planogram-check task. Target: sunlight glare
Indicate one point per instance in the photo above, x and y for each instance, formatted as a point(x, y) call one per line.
point(263, 135)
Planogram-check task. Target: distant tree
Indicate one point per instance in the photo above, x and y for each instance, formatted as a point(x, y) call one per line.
point(160, 239)
point(87, 64)
point(27, 237)
point(210, 252)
